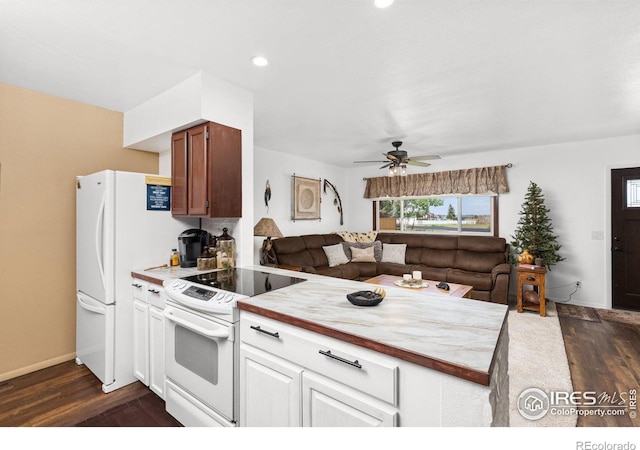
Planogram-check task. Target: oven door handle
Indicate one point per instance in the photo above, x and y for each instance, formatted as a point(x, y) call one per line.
point(219, 334)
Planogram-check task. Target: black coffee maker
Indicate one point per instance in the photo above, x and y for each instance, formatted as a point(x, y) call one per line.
point(191, 243)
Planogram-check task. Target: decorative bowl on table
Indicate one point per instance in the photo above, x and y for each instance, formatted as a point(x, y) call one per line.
point(364, 298)
point(413, 284)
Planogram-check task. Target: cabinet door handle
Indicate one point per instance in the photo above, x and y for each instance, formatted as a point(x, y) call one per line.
point(338, 358)
point(154, 291)
point(531, 279)
point(136, 285)
point(270, 333)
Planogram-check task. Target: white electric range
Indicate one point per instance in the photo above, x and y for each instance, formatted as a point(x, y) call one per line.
point(201, 346)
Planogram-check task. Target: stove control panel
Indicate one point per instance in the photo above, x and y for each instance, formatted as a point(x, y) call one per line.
point(201, 297)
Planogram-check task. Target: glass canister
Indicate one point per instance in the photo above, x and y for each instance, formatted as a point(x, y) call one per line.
point(226, 255)
point(205, 261)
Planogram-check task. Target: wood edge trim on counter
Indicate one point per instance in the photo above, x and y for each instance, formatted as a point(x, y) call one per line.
point(148, 278)
point(466, 373)
point(504, 331)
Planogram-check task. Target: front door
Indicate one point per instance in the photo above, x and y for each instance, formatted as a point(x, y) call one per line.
point(625, 238)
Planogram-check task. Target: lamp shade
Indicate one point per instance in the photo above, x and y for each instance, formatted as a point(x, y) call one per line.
point(267, 227)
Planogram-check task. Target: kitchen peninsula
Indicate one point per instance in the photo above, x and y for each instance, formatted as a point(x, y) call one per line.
point(412, 360)
point(308, 357)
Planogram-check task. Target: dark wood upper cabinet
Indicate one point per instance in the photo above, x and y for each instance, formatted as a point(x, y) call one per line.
point(206, 171)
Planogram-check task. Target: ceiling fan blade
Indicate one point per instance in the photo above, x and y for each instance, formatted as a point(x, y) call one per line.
point(370, 162)
point(390, 156)
point(417, 163)
point(386, 165)
point(424, 157)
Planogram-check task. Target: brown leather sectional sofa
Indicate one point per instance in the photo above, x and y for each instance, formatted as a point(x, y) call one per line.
point(478, 261)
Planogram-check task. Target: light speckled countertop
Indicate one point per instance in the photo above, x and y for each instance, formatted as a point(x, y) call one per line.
point(453, 335)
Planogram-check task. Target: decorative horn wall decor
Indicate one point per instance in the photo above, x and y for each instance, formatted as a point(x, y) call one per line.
point(336, 201)
point(306, 198)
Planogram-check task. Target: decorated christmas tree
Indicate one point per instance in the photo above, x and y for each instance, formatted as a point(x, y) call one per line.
point(534, 231)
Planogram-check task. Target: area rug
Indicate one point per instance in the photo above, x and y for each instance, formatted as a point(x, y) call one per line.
point(537, 359)
point(577, 312)
point(616, 315)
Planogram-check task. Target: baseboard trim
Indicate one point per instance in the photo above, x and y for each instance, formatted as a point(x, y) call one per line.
point(41, 365)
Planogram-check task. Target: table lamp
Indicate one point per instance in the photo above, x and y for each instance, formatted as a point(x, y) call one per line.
point(267, 227)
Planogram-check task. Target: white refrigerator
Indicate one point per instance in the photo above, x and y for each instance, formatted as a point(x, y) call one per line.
point(115, 234)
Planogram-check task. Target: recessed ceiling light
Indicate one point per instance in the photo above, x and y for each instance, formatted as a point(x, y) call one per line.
point(259, 61)
point(383, 3)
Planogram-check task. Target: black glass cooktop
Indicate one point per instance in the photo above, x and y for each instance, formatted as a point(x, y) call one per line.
point(248, 282)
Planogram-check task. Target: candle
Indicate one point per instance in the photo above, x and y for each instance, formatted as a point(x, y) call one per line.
point(417, 275)
point(406, 277)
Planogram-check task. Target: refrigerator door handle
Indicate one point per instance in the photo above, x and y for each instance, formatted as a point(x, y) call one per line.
point(96, 309)
point(99, 243)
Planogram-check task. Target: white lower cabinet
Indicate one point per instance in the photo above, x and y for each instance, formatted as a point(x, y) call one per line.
point(330, 404)
point(293, 377)
point(156, 351)
point(148, 335)
point(270, 390)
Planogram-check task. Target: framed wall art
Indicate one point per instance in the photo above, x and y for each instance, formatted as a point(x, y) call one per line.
point(306, 199)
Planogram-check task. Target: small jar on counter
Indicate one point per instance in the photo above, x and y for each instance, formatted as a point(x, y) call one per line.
point(175, 258)
point(205, 261)
point(226, 255)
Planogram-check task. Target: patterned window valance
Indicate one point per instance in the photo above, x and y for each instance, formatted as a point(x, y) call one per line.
point(480, 180)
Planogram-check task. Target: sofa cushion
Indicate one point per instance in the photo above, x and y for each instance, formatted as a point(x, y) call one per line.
point(362, 254)
point(394, 253)
point(349, 271)
point(479, 281)
point(377, 248)
point(291, 251)
point(480, 253)
point(335, 255)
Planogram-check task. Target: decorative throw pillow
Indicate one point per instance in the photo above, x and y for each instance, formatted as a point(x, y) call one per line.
point(362, 254)
point(394, 253)
point(376, 245)
point(335, 254)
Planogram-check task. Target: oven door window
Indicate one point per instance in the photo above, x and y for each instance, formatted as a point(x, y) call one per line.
point(197, 353)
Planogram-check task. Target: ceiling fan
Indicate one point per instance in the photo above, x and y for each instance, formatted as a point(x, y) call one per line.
point(397, 160)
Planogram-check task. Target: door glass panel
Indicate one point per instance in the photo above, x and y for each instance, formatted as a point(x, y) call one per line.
point(197, 354)
point(633, 193)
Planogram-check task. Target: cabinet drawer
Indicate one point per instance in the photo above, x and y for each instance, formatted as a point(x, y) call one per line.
point(531, 278)
point(139, 289)
point(156, 296)
point(354, 366)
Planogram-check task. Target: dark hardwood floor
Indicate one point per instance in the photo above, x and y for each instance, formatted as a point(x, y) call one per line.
point(604, 356)
point(70, 395)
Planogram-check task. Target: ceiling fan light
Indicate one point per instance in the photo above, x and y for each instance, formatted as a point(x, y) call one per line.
point(260, 61)
point(403, 170)
point(382, 3)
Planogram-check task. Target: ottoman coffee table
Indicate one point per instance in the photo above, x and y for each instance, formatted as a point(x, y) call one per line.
point(455, 290)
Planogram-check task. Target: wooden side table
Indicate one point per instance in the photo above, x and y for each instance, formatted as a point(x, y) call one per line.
point(532, 276)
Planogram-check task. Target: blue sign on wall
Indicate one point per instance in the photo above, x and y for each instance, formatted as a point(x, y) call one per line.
point(158, 197)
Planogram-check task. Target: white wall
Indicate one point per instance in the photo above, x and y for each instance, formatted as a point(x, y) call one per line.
point(200, 98)
point(574, 178)
point(278, 168)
